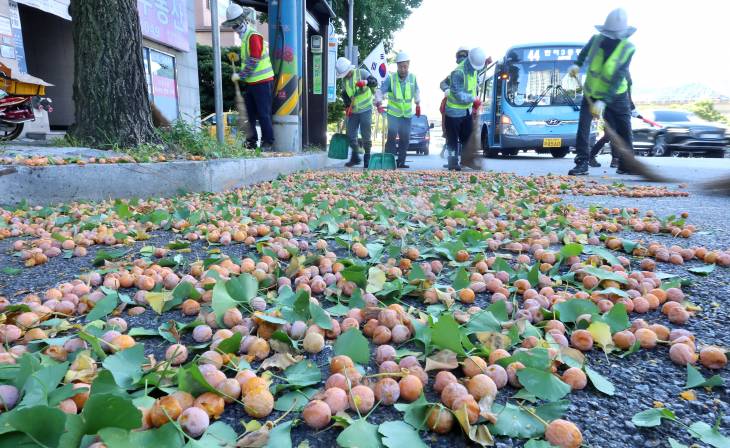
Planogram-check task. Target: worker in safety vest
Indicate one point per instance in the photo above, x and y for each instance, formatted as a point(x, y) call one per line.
point(608, 56)
point(461, 102)
point(402, 91)
point(256, 73)
point(357, 94)
point(461, 54)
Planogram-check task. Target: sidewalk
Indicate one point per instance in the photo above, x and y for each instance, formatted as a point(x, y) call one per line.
point(100, 181)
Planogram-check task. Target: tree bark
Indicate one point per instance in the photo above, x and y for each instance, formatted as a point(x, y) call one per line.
point(110, 90)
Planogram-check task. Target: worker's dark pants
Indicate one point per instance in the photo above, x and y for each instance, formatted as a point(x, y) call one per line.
point(617, 115)
point(458, 130)
point(362, 121)
point(258, 99)
point(401, 127)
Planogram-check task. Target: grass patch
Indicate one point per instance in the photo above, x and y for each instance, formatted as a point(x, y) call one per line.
point(181, 141)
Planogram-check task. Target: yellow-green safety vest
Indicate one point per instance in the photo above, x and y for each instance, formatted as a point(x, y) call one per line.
point(471, 86)
point(361, 97)
point(263, 69)
point(399, 101)
point(602, 71)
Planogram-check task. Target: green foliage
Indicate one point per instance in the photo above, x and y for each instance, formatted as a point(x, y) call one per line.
point(652, 417)
point(126, 365)
point(375, 20)
point(360, 434)
point(705, 109)
point(335, 114)
point(709, 434)
point(695, 379)
point(600, 382)
point(515, 421)
point(446, 334)
point(353, 344)
point(400, 434)
point(205, 79)
point(542, 384)
point(415, 413)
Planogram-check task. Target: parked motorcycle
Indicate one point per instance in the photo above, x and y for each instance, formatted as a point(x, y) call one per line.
point(15, 111)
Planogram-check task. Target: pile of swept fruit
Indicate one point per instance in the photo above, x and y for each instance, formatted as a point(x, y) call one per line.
point(466, 302)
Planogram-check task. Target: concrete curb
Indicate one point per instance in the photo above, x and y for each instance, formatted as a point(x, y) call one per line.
point(96, 182)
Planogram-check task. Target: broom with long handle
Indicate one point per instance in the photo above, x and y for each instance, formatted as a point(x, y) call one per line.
point(244, 125)
point(158, 120)
point(626, 153)
point(718, 186)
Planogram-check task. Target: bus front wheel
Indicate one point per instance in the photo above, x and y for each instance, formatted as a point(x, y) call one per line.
point(559, 153)
point(485, 142)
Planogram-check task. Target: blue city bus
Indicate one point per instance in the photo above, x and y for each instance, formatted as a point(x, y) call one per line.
point(529, 102)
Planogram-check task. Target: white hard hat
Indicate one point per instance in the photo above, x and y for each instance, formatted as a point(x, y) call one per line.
point(477, 58)
point(237, 13)
point(343, 66)
point(402, 57)
point(463, 48)
point(616, 25)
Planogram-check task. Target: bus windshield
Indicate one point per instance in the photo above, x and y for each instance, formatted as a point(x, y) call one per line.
point(542, 83)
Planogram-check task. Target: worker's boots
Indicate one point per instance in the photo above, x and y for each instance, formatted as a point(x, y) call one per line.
point(454, 163)
point(580, 169)
point(366, 158)
point(354, 158)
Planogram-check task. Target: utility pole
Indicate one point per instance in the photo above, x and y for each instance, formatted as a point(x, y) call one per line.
point(350, 25)
point(217, 71)
point(286, 28)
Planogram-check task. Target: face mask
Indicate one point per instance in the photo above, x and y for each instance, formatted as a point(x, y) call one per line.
point(240, 28)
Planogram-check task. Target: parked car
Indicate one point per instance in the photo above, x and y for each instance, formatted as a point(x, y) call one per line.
point(679, 133)
point(420, 135)
point(230, 125)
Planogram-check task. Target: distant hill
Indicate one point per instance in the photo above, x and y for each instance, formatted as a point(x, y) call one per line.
point(679, 94)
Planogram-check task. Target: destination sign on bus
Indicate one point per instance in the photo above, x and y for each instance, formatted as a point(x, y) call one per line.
point(550, 54)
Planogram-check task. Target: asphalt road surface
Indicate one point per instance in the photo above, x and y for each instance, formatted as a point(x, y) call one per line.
point(685, 170)
point(706, 210)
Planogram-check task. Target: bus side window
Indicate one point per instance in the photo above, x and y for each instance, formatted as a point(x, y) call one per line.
point(485, 87)
point(488, 86)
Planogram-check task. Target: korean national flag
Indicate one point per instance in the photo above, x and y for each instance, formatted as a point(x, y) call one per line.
point(376, 64)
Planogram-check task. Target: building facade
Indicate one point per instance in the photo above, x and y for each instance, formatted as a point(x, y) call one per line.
point(35, 36)
point(229, 38)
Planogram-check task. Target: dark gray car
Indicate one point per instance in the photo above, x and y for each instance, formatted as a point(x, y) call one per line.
point(420, 138)
point(680, 133)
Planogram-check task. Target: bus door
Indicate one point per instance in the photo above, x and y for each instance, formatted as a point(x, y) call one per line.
point(500, 80)
point(486, 113)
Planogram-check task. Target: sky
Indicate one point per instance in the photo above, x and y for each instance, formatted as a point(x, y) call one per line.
point(677, 42)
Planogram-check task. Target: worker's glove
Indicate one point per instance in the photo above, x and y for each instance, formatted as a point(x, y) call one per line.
point(573, 71)
point(418, 110)
point(381, 109)
point(477, 104)
point(361, 83)
point(348, 111)
point(598, 108)
point(235, 77)
point(635, 113)
point(489, 61)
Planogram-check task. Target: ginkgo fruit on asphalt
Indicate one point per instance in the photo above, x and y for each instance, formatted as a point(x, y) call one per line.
point(359, 309)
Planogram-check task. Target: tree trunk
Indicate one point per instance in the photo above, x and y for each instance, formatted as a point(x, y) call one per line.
point(110, 90)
